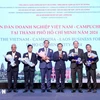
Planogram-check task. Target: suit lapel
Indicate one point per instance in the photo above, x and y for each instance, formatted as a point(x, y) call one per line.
point(78, 51)
point(48, 52)
point(43, 49)
point(57, 52)
point(31, 56)
point(27, 55)
point(92, 51)
point(11, 53)
point(87, 54)
point(73, 51)
point(14, 55)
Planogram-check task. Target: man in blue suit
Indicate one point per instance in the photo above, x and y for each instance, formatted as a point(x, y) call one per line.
point(46, 66)
point(60, 68)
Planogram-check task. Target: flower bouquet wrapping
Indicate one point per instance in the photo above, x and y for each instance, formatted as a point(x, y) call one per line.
point(10, 59)
point(91, 57)
point(75, 57)
point(27, 61)
point(43, 55)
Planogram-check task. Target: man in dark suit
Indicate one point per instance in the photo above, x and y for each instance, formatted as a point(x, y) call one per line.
point(60, 67)
point(91, 71)
point(76, 68)
point(46, 66)
point(29, 71)
point(12, 71)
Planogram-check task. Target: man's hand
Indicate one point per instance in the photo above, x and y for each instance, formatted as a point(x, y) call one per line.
point(92, 62)
point(47, 58)
point(73, 60)
point(43, 58)
point(60, 56)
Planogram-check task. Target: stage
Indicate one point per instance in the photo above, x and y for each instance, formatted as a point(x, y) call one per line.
point(37, 95)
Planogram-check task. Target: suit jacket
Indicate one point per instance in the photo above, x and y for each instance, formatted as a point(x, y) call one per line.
point(43, 64)
point(33, 60)
point(94, 65)
point(80, 54)
point(17, 62)
point(60, 62)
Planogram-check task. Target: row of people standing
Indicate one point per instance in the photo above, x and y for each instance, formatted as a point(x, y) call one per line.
point(59, 57)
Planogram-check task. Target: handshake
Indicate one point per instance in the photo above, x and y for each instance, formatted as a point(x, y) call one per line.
point(43, 56)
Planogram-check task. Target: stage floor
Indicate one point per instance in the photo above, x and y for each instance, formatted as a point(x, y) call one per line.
point(37, 95)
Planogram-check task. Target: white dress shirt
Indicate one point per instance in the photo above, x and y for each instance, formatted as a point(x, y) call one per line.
point(60, 52)
point(76, 50)
point(30, 55)
point(13, 54)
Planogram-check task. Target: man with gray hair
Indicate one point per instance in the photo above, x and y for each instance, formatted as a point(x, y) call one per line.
point(75, 66)
point(12, 69)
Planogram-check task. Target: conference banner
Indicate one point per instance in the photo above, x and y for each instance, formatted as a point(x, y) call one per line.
point(24, 22)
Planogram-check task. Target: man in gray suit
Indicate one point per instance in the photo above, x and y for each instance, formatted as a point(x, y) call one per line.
point(46, 66)
point(76, 68)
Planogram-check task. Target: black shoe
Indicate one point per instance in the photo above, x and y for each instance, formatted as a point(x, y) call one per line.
point(58, 90)
point(73, 91)
point(89, 90)
point(25, 91)
point(94, 91)
point(9, 91)
point(49, 90)
point(62, 90)
point(43, 91)
point(80, 91)
point(15, 91)
point(32, 91)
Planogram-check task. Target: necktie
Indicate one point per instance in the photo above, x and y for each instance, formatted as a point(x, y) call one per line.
point(29, 56)
point(46, 52)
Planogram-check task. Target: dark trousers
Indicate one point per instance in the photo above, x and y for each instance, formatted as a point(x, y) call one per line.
point(29, 76)
point(73, 76)
point(47, 72)
point(91, 73)
point(60, 73)
point(12, 75)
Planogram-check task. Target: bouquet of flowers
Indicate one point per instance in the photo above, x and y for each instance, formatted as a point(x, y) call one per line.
point(10, 59)
point(76, 57)
point(27, 61)
point(91, 57)
point(42, 55)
